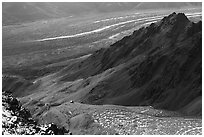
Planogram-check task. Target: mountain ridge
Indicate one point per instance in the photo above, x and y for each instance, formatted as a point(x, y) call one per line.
point(153, 66)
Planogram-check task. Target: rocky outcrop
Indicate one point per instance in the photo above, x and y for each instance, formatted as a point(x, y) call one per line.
point(18, 121)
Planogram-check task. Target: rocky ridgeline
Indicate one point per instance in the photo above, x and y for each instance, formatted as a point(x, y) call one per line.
point(18, 121)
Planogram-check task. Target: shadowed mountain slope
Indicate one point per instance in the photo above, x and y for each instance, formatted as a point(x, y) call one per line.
point(160, 65)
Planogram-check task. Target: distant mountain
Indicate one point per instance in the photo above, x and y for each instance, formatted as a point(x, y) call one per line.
point(165, 5)
point(19, 12)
